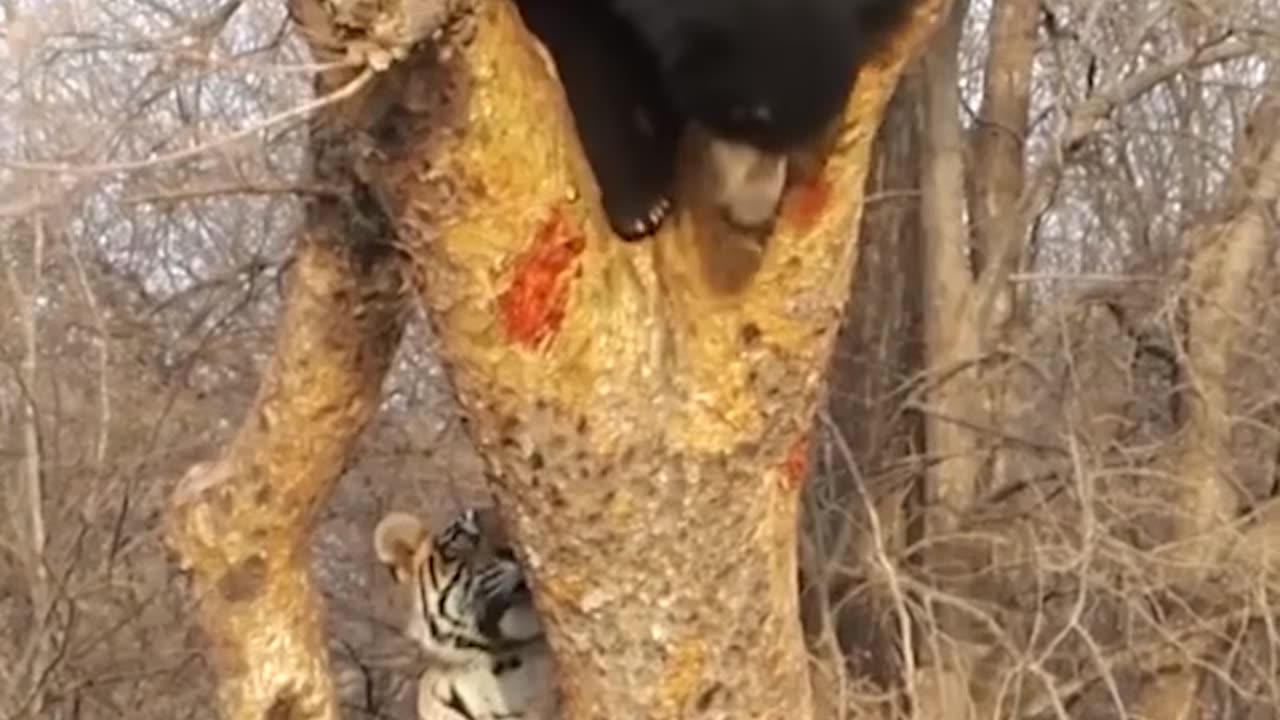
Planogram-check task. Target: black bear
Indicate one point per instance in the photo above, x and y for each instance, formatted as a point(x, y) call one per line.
point(761, 78)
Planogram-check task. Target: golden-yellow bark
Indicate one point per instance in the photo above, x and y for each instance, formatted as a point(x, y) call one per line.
point(645, 432)
point(241, 524)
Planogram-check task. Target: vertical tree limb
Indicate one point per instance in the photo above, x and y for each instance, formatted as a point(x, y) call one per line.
point(242, 523)
point(28, 491)
point(1221, 294)
point(951, 329)
point(953, 343)
point(878, 350)
point(997, 180)
point(971, 249)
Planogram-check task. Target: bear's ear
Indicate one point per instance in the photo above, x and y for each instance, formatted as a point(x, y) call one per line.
point(397, 540)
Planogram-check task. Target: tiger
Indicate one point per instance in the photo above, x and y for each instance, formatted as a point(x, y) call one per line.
point(473, 616)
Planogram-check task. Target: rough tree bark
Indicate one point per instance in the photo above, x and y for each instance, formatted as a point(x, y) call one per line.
point(968, 258)
point(241, 523)
point(646, 434)
point(996, 180)
point(951, 328)
point(1221, 299)
point(953, 398)
point(877, 353)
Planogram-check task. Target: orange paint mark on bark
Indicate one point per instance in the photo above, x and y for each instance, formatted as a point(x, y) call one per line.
point(796, 467)
point(806, 203)
point(533, 307)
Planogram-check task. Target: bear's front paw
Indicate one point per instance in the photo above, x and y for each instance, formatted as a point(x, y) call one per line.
point(637, 217)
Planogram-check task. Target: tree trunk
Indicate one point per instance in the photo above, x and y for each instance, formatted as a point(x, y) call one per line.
point(1221, 298)
point(879, 351)
point(968, 258)
point(997, 180)
point(27, 497)
point(242, 523)
point(953, 394)
point(646, 433)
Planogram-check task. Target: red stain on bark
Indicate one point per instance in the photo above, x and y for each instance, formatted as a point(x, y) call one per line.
point(796, 467)
point(533, 306)
point(806, 203)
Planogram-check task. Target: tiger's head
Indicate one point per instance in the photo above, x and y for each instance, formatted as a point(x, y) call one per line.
point(467, 594)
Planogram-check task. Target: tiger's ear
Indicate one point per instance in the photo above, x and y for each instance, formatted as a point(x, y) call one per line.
point(397, 540)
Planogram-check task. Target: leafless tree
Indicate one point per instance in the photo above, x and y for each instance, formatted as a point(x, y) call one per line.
point(1043, 475)
point(713, 424)
point(1094, 313)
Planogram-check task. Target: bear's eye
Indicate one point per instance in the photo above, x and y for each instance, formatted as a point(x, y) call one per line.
point(756, 114)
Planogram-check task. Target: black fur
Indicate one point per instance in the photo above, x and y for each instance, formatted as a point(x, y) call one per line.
point(770, 74)
point(627, 126)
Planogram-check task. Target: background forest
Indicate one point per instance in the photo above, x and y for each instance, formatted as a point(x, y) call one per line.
point(1045, 477)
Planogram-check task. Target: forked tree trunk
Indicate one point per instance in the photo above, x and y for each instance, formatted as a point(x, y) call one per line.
point(968, 304)
point(646, 434)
